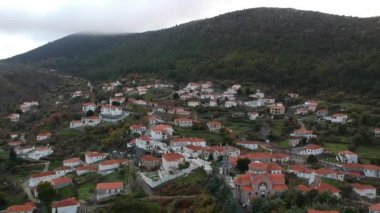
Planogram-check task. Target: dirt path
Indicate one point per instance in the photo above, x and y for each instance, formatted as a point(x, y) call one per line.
point(301, 123)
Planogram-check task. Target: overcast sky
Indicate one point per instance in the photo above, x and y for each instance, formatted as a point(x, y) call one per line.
point(26, 24)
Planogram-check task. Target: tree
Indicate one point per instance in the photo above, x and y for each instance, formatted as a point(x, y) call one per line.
point(46, 192)
point(312, 159)
point(90, 113)
point(347, 191)
point(242, 164)
point(175, 96)
point(13, 156)
point(3, 201)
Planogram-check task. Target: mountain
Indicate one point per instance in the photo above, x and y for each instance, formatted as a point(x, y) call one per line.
point(24, 83)
point(284, 47)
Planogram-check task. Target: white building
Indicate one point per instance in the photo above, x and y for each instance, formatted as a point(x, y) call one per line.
point(311, 149)
point(229, 104)
point(347, 156)
point(251, 145)
point(302, 171)
point(371, 170)
point(253, 115)
point(178, 143)
point(193, 103)
point(330, 174)
point(40, 152)
point(213, 103)
point(89, 106)
point(68, 205)
point(86, 169)
point(172, 160)
point(93, 157)
point(63, 170)
point(24, 149)
point(109, 110)
point(72, 162)
point(137, 128)
point(303, 133)
point(109, 189)
point(337, 118)
point(364, 190)
point(255, 103)
point(214, 126)
point(36, 178)
point(76, 94)
point(183, 122)
point(14, 117)
point(43, 136)
point(109, 166)
point(161, 132)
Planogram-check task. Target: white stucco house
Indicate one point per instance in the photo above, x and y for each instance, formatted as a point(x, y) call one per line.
point(68, 205)
point(161, 132)
point(251, 145)
point(93, 157)
point(311, 149)
point(171, 160)
point(364, 190)
point(347, 156)
point(108, 189)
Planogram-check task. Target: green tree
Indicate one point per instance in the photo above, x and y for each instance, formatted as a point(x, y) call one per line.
point(242, 164)
point(312, 159)
point(46, 192)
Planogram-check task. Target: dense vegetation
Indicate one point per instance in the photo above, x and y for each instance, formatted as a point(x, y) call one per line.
point(286, 47)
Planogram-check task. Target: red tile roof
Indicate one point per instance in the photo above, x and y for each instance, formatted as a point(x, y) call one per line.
point(362, 186)
point(43, 174)
point(247, 142)
point(137, 126)
point(326, 171)
point(63, 168)
point(114, 161)
point(375, 207)
point(92, 167)
point(161, 128)
point(72, 201)
point(182, 119)
point(149, 158)
point(277, 178)
point(321, 211)
point(61, 180)
point(183, 140)
point(71, 160)
point(88, 104)
point(109, 185)
point(95, 154)
point(172, 156)
point(301, 169)
point(257, 165)
point(312, 147)
point(214, 123)
point(346, 152)
point(279, 187)
point(21, 208)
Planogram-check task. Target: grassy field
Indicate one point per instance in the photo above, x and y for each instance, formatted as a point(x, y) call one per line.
point(212, 138)
point(278, 128)
point(85, 190)
point(370, 152)
point(283, 143)
point(190, 184)
point(335, 147)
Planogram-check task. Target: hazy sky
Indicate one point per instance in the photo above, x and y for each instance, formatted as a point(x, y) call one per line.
point(26, 24)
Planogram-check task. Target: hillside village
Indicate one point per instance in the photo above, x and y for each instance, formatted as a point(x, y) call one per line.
point(99, 143)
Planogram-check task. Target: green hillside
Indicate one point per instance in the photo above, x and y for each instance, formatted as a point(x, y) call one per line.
point(284, 47)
